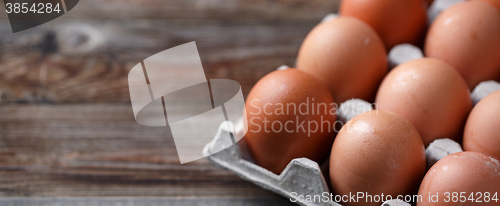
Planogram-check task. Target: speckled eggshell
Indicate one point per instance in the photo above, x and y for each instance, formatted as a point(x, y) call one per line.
point(482, 131)
point(377, 152)
point(273, 150)
point(466, 172)
point(430, 94)
point(347, 56)
point(467, 36)
point(395, 21)
point(495, 3)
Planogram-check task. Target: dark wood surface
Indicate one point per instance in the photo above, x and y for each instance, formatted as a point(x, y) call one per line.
point(66, 123)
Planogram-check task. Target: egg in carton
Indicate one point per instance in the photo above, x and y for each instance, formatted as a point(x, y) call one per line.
point(306, 177)
point(405, 52)
point(302, 175)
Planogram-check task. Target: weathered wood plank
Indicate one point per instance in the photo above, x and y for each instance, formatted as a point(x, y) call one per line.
point(85, 55)
point(95, 150)
point(99, 150)
point(99, 201)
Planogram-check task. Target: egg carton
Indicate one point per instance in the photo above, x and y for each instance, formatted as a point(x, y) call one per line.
point(302, 175)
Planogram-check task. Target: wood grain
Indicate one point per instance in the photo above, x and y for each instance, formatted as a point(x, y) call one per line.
point(143, 201)
point(85, 55)
point(76, 141)
point(99, 150)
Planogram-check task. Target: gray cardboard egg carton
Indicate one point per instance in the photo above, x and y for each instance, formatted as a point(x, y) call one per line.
point(305, 176)
point(301, 175)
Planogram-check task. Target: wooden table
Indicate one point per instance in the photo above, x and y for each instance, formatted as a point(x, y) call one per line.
point(67, 131)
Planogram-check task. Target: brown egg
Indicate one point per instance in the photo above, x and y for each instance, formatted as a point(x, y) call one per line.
point(466, 36)
point(280, 125)
point(495, 3)
point(430, 94)
point(482, 131)
point(395, 21)
point(347, 56)
point(377, 152)
point(461, 174)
